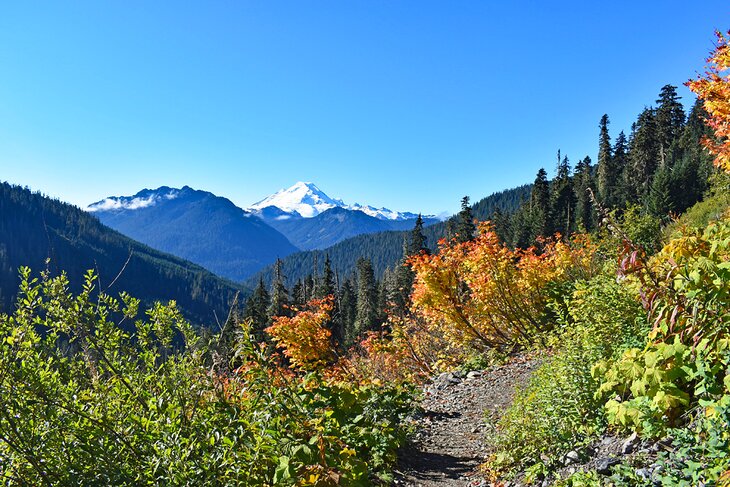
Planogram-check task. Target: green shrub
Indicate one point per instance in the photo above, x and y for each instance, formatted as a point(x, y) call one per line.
point(85, 402)
point(557, 410)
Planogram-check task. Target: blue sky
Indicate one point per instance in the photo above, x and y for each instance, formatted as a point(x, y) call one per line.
point(408, 105)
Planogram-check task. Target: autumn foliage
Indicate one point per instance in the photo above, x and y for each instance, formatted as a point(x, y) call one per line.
point(714, 89)
point(304, 337)
point(485, 295)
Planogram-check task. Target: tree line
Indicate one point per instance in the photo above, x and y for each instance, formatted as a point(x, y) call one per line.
point(661, 168)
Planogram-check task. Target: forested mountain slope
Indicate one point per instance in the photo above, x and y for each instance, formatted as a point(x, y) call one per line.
point(384, 249)
point(196, 225)
point(335, 225)
point(34, 228)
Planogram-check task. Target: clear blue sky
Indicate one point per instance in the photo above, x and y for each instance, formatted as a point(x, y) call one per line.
point(408, 105)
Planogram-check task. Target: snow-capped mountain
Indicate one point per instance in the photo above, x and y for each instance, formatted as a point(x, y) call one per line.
point(198, 226)
point(307, 200)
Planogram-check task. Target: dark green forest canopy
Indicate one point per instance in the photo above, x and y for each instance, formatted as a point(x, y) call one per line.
point(35, 229)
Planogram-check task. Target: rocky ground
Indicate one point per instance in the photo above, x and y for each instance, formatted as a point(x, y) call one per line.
point(458, 411)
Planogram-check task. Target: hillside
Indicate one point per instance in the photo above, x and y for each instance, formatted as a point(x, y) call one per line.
point(34, 228)
point(335, 225)
point(198, 226)
point(385, 249)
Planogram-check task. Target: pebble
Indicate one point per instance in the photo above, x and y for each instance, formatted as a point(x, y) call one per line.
point(629, 445)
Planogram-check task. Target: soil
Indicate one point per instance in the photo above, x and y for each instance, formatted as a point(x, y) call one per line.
point(458, 411)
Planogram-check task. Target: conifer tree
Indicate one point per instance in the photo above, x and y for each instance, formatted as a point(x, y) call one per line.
point(539, 209)
point(502, 225)
point(643, 155)
point(670, 120)
point(326, 284)
point(279, 293)
point(417, 242)
point(257, 306)
point(466, 229)
point(367, 297)
point(348, 311)
point(563, 204)
point(582, 181)
point(619, 165)
point(659, 201)
point(607, 173)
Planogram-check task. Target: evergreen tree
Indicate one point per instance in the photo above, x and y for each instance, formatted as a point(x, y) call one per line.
point(608, 175)
point(523, 227)
point(348, 312)
point(659, 201)
point(539, 211)
point(502, 225)
point(298, 294)
point(417, 242)
point(279, 294)
point(367, 297)
point(643, 155)
point(691, 172)
point(582, 181)
point(256, 309)
point(620, 163)
point(466, 229)
point(326, 284)
point(669, 123)
point(563, 204)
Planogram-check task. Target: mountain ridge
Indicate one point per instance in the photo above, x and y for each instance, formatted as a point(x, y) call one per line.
point(197, 225)
point(45, 233)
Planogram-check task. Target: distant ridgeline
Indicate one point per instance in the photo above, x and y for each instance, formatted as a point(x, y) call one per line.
point(34, 228)
point(384, 249)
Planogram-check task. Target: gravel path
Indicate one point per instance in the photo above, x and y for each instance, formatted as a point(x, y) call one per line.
point(458, 410)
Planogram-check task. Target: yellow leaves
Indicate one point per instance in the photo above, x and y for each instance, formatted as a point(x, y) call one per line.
point(304, 338)
point(714, 90)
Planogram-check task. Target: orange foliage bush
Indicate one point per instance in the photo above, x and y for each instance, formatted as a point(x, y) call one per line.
point(304, 338)
point(483, 294)
point(714, 90)
point(409, 352)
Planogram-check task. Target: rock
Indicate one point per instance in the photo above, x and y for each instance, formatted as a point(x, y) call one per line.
point(603, 465)
point(643, 473)
point(572, 457)
point(473, 374)
point(629, 445)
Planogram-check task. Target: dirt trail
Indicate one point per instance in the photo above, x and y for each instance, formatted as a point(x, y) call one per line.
point(458, 411)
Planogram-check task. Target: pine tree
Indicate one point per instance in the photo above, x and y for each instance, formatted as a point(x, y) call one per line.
point(659, 200)
point(502, 225)
point(670, 120)
point(643, 155)
point(326, 284)
point(279, 305)
point(563, 204)
point(256, 309)
point(348, 312)
point(582, 181)
point(620, 163)
point(691, 172)
point(466, 229)
point(539, 209)
point(608, 176)
point(367, 297)
point(417, 242)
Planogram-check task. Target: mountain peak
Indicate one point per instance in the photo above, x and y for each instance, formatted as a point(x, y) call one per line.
point(304, 198)
point(307, 200)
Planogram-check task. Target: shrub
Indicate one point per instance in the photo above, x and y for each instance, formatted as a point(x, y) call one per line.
point(557, 410)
